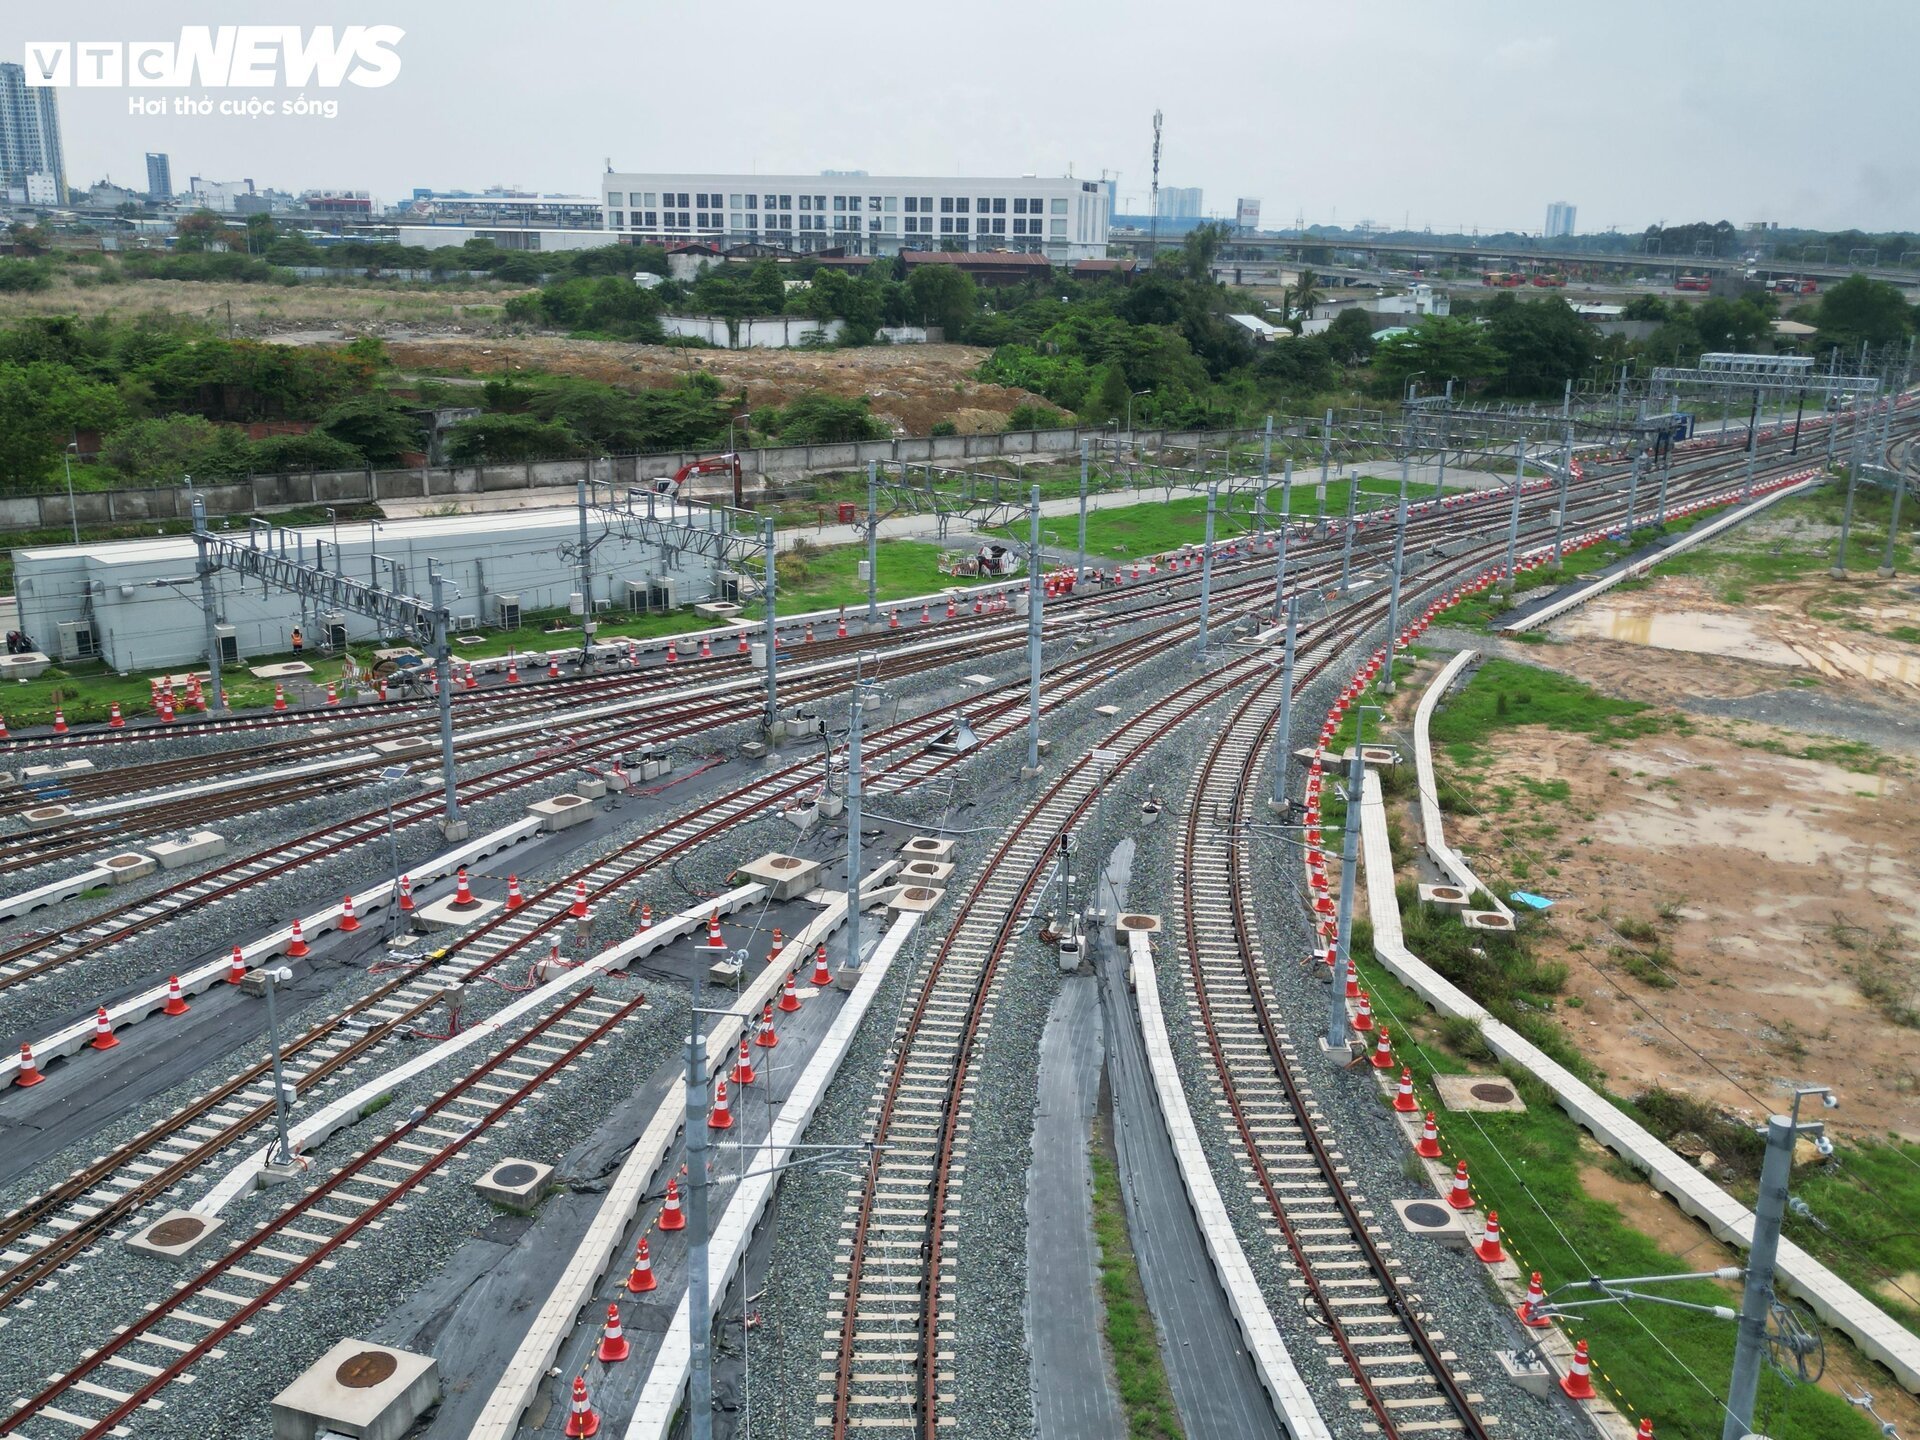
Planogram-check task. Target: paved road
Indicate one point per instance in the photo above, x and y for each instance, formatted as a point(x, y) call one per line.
point(1073, 1394)
point(1214, 1385)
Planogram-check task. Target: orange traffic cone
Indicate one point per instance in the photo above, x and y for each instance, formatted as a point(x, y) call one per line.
point(103, 1036)
point(1383, 1052)
point(841, 632)
point(1460, 1197)
point(237, 971)
point(671, 1215)
point(29, 1072)
point(822, 977)
point(743, 1067)
point(1489, 1247)
point(766, 1039)
point(471, 683)
point(1578, 1382)
point(462, 892)
point(809, 632)
point(279, 696)
point(349, 921)
point(1403, 1101)
point(1529, 1309)
point(1645, 1431)
point(789, 1001)
point(1429, 1144)
point(333, 695)
point(3, 728)
point(1353, 979)
point(578, 910)
point(582, 1419)
point(646, 917)
point(714, 940)
point(706, 648)
point(176, 1002)
point(613, 1345)
point(893, 619)
point(115, 721)
point(514, 898)
point(640, 1278)
point(59, 721)
point(1363, 1021)
point(720, 1117)
point(553, 667)
point(406, 892)
point(297, 946)
point(743, 648)
point(673, 654)
point(777, 945)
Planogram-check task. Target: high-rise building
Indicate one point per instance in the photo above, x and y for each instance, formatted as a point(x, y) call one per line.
point(1179, 203)
point(30, 136)
point(159, 177)
point(1246, 215)
point(1559, 219)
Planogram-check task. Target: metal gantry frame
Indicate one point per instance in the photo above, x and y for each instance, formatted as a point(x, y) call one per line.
point(265, 555)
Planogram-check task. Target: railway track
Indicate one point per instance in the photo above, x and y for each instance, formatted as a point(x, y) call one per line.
point(1374, 1326)
point(892, 1365)
point(190, 1326)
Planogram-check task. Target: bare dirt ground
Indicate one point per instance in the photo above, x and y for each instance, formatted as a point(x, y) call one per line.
point(306, 313)
point(1771, 875)
point(910, 386)
point(1776, 894)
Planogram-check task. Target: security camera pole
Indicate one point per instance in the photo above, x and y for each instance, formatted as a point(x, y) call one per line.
point(273, 977)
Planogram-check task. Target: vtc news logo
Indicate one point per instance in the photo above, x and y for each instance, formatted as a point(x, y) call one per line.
point(223, 57)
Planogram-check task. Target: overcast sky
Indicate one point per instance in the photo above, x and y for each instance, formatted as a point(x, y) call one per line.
point(1471, 113)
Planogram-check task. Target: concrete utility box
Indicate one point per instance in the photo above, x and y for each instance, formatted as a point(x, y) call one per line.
point(1492, 1094)
point(786, 876)
point(562, 812)
point(925, 872)
point(1451, 895)
point(41, 817)
point(176, 1235)
point(1487, 920)
point(914, 900)
point(1130, 922)
point(52, 772)
point(517, 1185)
point(361, 1389)
point(449, 914)
point(201, 845)
point(1433, 1221)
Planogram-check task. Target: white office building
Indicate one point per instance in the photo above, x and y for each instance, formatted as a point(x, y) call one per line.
point(1559, 219)
point(1060, 217)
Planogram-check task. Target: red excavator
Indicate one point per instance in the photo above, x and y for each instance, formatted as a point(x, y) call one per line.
point(706, 465)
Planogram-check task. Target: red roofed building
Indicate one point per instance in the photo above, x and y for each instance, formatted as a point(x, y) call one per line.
point(989, 267)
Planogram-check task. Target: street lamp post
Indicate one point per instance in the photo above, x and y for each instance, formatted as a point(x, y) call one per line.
point(1130, 399)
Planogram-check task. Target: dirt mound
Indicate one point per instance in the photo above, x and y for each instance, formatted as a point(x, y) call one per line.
point(910, 386)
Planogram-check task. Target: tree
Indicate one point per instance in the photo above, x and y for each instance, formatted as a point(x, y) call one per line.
point(943, 295)
point(1306, 294)
point(164, 448)
point(1541, 344)
point(493, 438)
point(1740, 325)
point(1201, 248)
point(817, 418)
point(29, 240)
point(1029, 416)
point(1350, 337)
point(1110, 401)
point(380, 431)
point(315, 450)
point(1861, 311)
point(41, 405)
point(1439, 349)
point(260, 232)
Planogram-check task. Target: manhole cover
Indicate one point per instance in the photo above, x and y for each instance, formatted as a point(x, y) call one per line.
point(920, 867)
point(785, 862)
point(567, 801)
point(121, 862)
point(1495, 922)
point(365, 1370)
point(517, 1173)
point(1425, 1212)
point(1135, 922)
point(1492, 1093)
point(922, 844)
point(1447, 892)
point(918, 892)
point(177, 1231)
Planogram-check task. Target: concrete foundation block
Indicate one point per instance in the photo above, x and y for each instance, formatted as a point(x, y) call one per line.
point(591, 789)
point(395, 748)
point(1487, 920)
point(455, 831)
point(927, 847)
point(1131, 922)
point(1532, 1374)
point(361, 1389)
point(1433, 1220)
point(516, 1185)
point(1450, 895)
point(1487, 1094)
point(44, 817)
point(130, 866)
point(561, 812)
point(201, 845)
point(176, 1235)
point(914, 899)
point(254, 983)
point(448, 915)
point(784, 875)
point(55, 772)
point(925, 872)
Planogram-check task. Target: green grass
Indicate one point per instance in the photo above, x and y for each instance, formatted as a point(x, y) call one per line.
point(1866, 1201)
point(1504, 693)
point(1531, 1168)
point(1795, 543)
point(820, 578)
point(1131, 1339)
